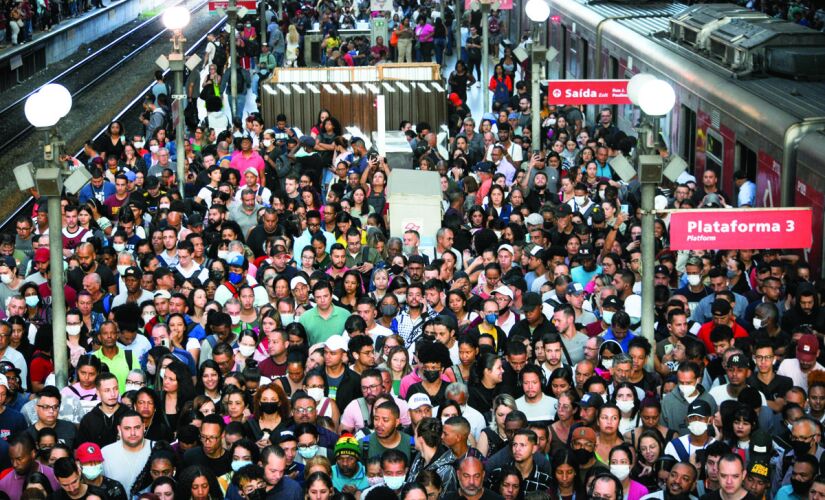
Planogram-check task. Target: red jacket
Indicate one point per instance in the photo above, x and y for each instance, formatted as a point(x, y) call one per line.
point(704, 334)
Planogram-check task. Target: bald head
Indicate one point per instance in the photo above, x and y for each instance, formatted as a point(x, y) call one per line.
point(471, 477)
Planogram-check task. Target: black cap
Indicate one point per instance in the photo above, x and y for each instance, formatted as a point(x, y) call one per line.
point(530, 301)
point(761, 445)
point(8, 261)
point(563, 210)
point(194, 220)
point(739, 361)
point(662, 270)
point(8, 366)
point(585, 252)
point(484, 167)
point(720, 307)
point(591, 400)
point(612, 302)
point(597, 215)
point(699, 408)
point(133, 271)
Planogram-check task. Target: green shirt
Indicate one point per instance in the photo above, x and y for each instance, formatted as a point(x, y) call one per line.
point(320, 329)
point(117, 365)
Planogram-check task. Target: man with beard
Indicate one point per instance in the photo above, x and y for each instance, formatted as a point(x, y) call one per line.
point(471, 481)
point(806, 311)
point(410, 322)
point(798, 368)
point(348, 473)
point(805, 439)
point(758, 479)
point(679, 484)
point(356, 416)
point(87, 257)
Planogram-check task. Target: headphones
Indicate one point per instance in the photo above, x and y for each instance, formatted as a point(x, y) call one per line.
point(605, 476)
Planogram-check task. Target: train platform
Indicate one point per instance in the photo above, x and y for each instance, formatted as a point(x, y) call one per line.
point(19, 62)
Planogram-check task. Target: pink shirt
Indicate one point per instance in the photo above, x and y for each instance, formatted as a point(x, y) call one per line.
point(240, 163)
point(636, 491)
point(413, 378)
point(12, 484)
point(352, 418)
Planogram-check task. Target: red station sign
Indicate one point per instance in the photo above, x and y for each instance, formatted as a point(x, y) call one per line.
point(223, 4)
point(578, 92)
point(733, 229)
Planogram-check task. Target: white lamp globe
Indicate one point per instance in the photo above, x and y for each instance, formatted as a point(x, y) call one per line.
point(59, 97)
point(39, 112)
point(657, 98)
point(537, 10)
point(635, 84)
point(176, 18)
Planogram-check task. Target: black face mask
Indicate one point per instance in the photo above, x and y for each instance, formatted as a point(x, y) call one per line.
point(430, 375)
point(269, 408)
point(397, 270)
point(582, 456)
point(800, 447)
point(216, 276)
point(801, 488)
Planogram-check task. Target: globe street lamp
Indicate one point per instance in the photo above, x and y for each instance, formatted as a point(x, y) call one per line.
point(655, 98)
point(175, 19)
point(43, 110)
point(538, 11)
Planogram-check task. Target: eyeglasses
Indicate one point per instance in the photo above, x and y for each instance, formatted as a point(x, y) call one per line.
point(49, 407)
point(370, 387)
point(304, 411)
point(209, 438)
point(767, 357)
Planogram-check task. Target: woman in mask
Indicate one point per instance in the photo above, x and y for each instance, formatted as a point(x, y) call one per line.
point(271, 408)
point(648, 451)
point(607, 351)
point(247, 349)
point(243, 452)
point(307, 436)
point(627, 400)
point(37, 313)
point(621, 463)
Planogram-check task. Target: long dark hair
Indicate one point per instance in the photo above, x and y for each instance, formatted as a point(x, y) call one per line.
point(186, 391)
point(188, 476)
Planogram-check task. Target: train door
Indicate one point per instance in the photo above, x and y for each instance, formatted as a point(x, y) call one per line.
point(613, 74)
point(715, 153)
point(687, 146)
point(558, 41)
point(573, 70)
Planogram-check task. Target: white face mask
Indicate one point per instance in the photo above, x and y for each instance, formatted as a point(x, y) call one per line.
point(222, 254)
point(608, 316)
point(121, 270)
point(132, 387)
point(139, 145)
point(621, 471)
point(698, 428)
point(267, 143)
point(687, 390)
point(119, 247)
point(73, 330)
point(162, 373)
point(601, 193)
point(315, 393)
point(625, 406)
point(580, 200)
point(246, 350)
point(147, 317)
point(757, 323)
point(235, 319)
point(154, 149)
point(6, 278)
point(607, 363)
point(694, 279)
point(287, 319)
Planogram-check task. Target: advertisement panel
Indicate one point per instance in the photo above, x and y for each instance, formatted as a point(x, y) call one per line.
point(733, 229)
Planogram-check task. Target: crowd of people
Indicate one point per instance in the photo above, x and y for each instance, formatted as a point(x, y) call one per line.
point(253, 330)
point(20, 19)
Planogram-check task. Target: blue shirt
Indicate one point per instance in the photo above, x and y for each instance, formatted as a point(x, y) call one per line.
point(88, 192)
point(359, 479)
point(625, 342)
point(786, 493)
point(582, 277)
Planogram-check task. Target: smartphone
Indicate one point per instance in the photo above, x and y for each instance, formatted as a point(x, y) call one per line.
point(625, 208)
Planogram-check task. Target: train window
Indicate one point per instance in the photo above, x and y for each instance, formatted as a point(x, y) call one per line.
point(573, 56)
point(714, 152)
point(585, 52)
point(746, 160)
point(614, 68)
point(556, 66)
point(688, 139)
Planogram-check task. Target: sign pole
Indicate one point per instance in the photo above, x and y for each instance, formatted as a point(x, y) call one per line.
point(232, 13)
point(485, 52)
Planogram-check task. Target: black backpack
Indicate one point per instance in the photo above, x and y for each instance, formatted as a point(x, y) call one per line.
point(219, 59)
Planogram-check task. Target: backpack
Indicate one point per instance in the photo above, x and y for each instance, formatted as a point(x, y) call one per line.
point(219, 59)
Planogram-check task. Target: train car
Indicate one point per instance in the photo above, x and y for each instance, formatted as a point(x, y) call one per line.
point(750, 89)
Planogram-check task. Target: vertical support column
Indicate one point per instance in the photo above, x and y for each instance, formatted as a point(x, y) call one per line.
point(232, 12)
point(485, 53)
point(61, 359)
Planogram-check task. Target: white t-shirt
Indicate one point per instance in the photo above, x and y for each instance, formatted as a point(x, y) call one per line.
point(543, 410)
point(720, 395)
point(790, 368)
point(124, 466)
point(690, 448)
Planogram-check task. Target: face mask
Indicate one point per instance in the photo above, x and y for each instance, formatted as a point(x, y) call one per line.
point(216, 275)
point(801, 488)
point(235, 278)
point(625, 406)
point(389, 310)
point(491, 318)
point(222, 254)
point(698, 428)
point(580, 200)
point(6, 278)
point(118, 247)
point(32, 300)
point(800, 447)
point(607, 363)
point(73, 330)
point(246, 350)
point(316, 393)
point(601, 194)
point(731, 274)
point(394, 482)
point(620, 471)
point(163, 206)
point(582, 456)
point(92, 472)
point(269, 408)
point(430, 375)
point(267, 143)
point(132, 387)
point(694, 279)
point(154, 149)
point(235, 319)
point(375, 481)
point(757, 323)
point(397, 270)
point(608, 316)
point(240, 464)
point(147, 318)
point(122, 269)
point(308, 451)
point(139, 145)
point(402, 299)
point(687, 389)
point(287, 319)
point(634, 320)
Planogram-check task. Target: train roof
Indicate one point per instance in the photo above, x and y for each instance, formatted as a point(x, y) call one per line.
point(800, 98)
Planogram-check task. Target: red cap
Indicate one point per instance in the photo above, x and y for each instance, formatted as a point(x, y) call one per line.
point(807, 348)
point(88, 452)
point(455, 99)
point(42, 254)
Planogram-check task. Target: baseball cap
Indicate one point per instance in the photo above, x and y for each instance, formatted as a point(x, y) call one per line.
point(537, 252)
point(759, 469)
point(42, 254)
point(563, 210)
point(234, 259)
point(530, 301)
point(251, 170)
point(591, 400)
point(307, 141)
point(585, 433)
point(807, 348)
point(699, 408)
point(597, 214)
point(88, 452)
point(738, 361)
point(130, 176)
point(504, 290)
point(336, 343)
point(761, 445)
point(507, 247)
point(534, 220)
point(575, 288)
point(484, 167)
point(194, 220)
point(612, 302)
point(162, 294)
point(104, 223)
point(720, 307)
point(8, 366)
point(297, 280)
point(135, 272)
point(418, 400)
point(662, 270)
point(8, 261)
point(585, 252)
